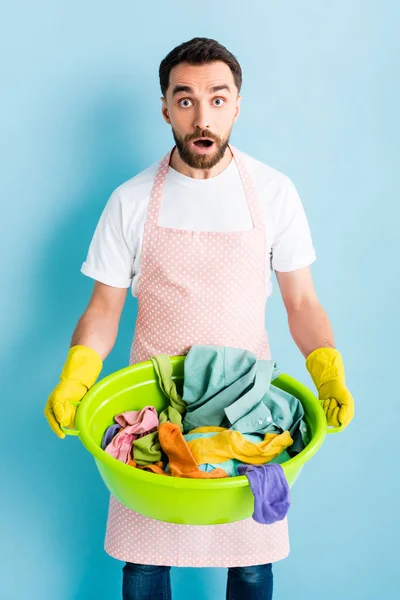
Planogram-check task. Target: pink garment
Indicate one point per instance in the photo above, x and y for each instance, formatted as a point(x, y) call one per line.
point(190, 293)
point(136, 424)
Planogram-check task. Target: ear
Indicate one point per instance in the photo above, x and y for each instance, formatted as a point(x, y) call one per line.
point(164, 110)
point(237, 111)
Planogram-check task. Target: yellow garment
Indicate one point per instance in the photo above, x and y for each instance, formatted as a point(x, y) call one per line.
point(326, 368)
point(207, 429)
point(228, 443)
point(80, 371)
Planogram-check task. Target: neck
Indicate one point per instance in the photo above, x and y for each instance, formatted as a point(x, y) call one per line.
point(179, 165)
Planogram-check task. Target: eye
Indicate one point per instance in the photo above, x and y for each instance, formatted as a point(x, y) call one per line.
point(220, 100)
point(184, 100)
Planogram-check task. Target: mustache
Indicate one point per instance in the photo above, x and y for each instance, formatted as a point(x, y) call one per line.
point(201, 133)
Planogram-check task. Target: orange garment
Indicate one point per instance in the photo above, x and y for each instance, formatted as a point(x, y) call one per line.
point(181, 460)
point(155, 468)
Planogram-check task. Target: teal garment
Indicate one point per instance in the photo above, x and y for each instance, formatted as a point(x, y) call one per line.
point(230, 387)
point(230, 466)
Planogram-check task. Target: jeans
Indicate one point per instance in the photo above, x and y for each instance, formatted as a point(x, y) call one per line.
point(150, 582)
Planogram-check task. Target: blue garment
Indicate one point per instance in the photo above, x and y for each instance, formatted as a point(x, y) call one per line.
point(250, 583)
point(109, 434)
point(230, 387)
point(270, 490)
point(152, 582)
point(230, 466)
point(146, 582)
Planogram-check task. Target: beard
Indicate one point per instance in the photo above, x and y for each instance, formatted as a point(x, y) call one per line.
point(201, 161)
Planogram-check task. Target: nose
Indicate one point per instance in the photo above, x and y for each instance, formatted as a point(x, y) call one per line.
point(202, 117)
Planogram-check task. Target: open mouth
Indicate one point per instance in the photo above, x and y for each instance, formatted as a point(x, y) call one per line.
point(203, 143)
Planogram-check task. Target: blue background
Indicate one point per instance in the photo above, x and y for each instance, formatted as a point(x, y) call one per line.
point(80, 114)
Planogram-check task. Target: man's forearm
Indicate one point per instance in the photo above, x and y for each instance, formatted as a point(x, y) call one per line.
point(310, 327)
point(97, 330)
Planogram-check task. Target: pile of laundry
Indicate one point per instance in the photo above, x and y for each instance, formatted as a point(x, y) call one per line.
point(231, 420)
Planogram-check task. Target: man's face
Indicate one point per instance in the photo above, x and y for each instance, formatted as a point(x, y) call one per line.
point(201, 102)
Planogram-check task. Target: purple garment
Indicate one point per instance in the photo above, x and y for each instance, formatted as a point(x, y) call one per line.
point(271, 491)
point(109, 434)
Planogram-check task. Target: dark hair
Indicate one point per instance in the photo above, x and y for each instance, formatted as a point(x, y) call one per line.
point(198, 51)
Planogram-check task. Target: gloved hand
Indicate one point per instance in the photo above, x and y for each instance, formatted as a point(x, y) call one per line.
point(326, 368)
point(80, 371)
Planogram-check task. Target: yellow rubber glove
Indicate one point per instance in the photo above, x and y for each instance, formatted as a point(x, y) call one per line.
point(326, 368)
point(81, 369)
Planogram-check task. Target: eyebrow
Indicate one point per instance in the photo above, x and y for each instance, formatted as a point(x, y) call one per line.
point(188, 90)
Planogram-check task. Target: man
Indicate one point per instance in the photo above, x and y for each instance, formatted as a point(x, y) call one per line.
point(196, 236)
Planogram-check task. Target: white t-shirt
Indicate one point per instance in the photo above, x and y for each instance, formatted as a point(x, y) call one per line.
point(215, 204)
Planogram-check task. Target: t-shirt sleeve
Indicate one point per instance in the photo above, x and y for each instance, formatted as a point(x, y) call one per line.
point(292, 247)
point(110, 259)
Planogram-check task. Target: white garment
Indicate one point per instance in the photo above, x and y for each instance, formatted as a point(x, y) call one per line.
point(215, 204)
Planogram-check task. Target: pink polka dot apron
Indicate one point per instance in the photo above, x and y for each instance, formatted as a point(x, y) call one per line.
point(198, 287)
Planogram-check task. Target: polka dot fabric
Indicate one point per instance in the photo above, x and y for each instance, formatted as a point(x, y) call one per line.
point(190, 293)
point(135, 538)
